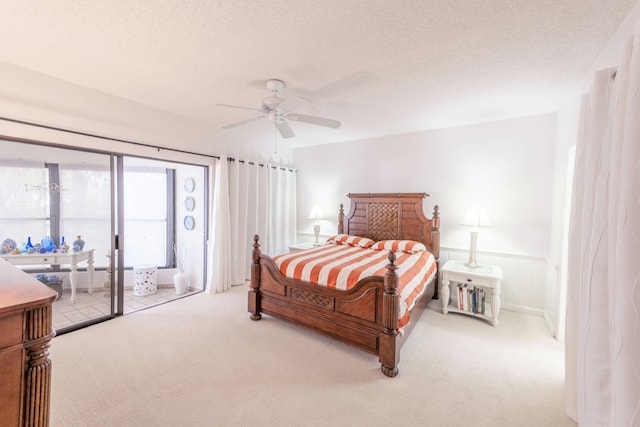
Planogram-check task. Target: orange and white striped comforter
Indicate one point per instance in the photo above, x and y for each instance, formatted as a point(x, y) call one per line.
point(342, 266)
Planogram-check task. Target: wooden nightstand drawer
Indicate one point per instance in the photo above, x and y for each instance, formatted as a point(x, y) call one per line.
point(471, 280)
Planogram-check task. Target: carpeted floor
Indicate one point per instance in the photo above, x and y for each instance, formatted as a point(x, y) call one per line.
point(200, 361)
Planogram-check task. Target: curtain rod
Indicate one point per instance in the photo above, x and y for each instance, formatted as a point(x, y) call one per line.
point(104, 137)
point(231, 159)
point(7, 119)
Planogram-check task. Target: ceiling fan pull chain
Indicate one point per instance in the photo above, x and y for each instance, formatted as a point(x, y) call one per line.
point(275, 140)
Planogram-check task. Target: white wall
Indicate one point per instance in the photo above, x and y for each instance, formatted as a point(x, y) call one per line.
point(506, 166)
point(192, 241)
point(566, 136)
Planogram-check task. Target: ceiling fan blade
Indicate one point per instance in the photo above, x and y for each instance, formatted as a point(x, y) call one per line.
point(284, 128)
point(295, 103)
point(232, 125)
point(237, 106)
point(320, 121)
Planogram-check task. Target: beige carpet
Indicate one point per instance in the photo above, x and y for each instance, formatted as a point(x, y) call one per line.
point(200, 361)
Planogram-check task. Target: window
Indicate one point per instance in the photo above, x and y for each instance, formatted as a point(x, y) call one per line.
point(24, 212)
point(148, 207)
point(83, 208)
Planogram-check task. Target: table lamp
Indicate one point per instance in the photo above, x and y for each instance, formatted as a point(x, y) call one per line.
point(475, 217)
point(316, 215)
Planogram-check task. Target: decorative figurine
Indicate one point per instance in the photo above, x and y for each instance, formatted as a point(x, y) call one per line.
point(78, 244)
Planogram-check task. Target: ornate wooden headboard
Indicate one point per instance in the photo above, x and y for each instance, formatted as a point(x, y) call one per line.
point(391, 216)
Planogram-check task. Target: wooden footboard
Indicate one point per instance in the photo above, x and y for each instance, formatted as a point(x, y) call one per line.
point(365, 316)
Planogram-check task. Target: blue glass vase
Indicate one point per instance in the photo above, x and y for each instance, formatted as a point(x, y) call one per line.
point(47, 244)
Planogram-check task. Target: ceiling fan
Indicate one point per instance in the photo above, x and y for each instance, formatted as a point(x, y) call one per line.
point(271, 109)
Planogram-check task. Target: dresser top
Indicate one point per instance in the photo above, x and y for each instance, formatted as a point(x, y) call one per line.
point(18, 290)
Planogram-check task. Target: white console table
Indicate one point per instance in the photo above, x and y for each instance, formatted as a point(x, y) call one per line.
point(58, 258)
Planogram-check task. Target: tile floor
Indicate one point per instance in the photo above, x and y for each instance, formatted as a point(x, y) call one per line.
point(88, 307)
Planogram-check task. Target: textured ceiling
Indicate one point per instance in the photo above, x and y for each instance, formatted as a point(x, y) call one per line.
point(381, 67)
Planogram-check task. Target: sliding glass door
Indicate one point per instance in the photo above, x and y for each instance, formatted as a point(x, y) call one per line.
point(56, 224)
point(163, 231)
point(108, 232)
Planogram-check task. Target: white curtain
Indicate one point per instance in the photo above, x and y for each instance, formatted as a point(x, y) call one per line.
point(281, 211)
point(219, 262)
point(603, 294)
point(260, 199)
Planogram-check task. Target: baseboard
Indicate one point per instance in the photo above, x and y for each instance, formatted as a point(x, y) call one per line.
point(534, 312)
point(523, 309)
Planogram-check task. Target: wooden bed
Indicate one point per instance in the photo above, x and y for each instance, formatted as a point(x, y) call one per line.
point(365, 316)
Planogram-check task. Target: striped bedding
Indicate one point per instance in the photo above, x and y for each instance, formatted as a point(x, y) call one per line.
point(342, 266)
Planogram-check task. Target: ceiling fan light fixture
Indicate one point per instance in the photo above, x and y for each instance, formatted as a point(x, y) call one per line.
point(273, 101)
point(274, 85)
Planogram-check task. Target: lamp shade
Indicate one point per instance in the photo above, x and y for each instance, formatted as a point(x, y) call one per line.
point(476, 216)
point(316, 213)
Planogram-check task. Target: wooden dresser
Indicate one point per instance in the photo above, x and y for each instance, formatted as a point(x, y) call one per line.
point(26, 331)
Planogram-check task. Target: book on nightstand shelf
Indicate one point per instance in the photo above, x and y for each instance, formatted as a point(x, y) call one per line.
point(471, 299)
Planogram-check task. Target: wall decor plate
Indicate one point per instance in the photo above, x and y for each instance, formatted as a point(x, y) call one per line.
point(189, 222)
point(189, 185)
point(189, 203)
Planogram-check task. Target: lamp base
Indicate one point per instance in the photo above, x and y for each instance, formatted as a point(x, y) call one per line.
point(472, 251)
point(316, 232)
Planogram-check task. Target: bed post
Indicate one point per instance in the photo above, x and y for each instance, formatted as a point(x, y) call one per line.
point(435, 247)
point(435, 232)
point(389, 353)
point(254, 297)
point(341, 220)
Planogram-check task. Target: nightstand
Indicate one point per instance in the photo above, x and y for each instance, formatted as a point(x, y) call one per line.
point(473, 291)
point(301, 246)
